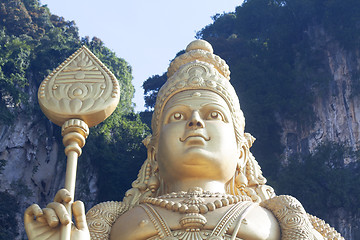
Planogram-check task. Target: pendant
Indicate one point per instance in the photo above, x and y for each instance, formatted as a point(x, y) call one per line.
point(193, 223)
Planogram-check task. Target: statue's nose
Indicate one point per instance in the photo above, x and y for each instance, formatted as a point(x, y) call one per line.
point(195, 121)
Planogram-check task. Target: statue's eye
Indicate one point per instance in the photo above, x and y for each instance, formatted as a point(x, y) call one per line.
point(215, 115)
point(176, 117)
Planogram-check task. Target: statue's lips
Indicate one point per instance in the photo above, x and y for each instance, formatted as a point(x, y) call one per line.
point(194, 135)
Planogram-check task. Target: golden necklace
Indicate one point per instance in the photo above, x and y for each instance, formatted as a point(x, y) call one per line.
point(194, 201)
point(193, 205)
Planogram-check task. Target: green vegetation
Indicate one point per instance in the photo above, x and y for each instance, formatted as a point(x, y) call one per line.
point(32, 43)
point(2, 165)
point(151, 87)
point(275, 68)
point(8, 207)
point(117, 152)
point(14, 61)
point(321, 181)
point(118, 66)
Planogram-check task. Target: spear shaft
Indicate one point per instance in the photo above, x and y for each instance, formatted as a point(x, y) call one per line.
point(74, 133)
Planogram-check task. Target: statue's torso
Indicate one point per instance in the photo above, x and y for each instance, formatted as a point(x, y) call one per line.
point(148, 221)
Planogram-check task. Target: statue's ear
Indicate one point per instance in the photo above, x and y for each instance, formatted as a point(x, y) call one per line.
point(249, 139)
point(152, 153)
point(151, 150)
point(154, 182)
point(244, 149)
point(147, 140)
point(242, 156)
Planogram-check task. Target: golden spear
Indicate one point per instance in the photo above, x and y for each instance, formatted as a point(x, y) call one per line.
point(80, 93)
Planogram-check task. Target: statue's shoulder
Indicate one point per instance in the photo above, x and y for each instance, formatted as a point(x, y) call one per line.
point(295, 223)
point(132, 225)
point(101, 218)
point(112, 220)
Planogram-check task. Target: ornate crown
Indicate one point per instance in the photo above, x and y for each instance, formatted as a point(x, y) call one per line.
point(199, 68)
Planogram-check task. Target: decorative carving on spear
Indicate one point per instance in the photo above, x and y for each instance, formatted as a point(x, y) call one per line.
point(80, 93)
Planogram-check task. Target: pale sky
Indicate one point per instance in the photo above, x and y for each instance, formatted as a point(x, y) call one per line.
point(147, 34)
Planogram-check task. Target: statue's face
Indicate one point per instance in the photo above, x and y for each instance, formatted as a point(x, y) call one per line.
point(197, 138)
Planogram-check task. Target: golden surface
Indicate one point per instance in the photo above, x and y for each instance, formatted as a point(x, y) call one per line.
point(200, 180)
point(80, 88)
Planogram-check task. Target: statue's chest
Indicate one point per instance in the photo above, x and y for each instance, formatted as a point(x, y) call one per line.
point(155, 221)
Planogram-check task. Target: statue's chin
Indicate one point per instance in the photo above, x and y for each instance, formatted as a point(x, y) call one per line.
point(198, 162)
point(197, 156)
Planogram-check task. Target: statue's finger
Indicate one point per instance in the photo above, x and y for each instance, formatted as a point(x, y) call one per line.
point(61, 212)
point(41, 219)
point(31, 212)
point(62, 195)
point(79, 215)
point(51, 217)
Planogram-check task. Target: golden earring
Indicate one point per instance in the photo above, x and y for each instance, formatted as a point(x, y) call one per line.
point(154, 183)
point(240, 180)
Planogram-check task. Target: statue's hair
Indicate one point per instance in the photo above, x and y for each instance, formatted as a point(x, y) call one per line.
point(255, 185)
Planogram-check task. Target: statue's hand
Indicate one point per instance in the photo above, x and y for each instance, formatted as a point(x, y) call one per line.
point(42, 224)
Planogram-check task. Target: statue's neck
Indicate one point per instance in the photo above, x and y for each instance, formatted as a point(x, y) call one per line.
point(186, 184)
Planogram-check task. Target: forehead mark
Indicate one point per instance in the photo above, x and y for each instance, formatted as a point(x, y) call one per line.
point(196, 94)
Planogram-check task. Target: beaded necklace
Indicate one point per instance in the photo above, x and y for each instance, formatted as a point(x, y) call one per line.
point(194, 201)
point(193, 206)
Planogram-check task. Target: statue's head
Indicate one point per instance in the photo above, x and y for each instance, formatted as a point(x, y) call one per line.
point(198, 128)
point(198, 69)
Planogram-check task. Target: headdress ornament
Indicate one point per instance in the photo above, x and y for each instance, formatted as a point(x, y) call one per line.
point(199, 68)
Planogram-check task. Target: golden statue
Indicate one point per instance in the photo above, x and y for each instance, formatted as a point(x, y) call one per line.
point(199, 181)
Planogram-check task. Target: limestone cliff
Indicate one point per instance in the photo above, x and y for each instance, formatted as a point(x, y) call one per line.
point(33, 162)
point(337, 110)
point(337, 117)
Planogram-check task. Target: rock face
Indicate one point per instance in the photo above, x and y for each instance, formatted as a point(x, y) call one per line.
point(34, 165)
point(337, 110)
point(337, 117)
